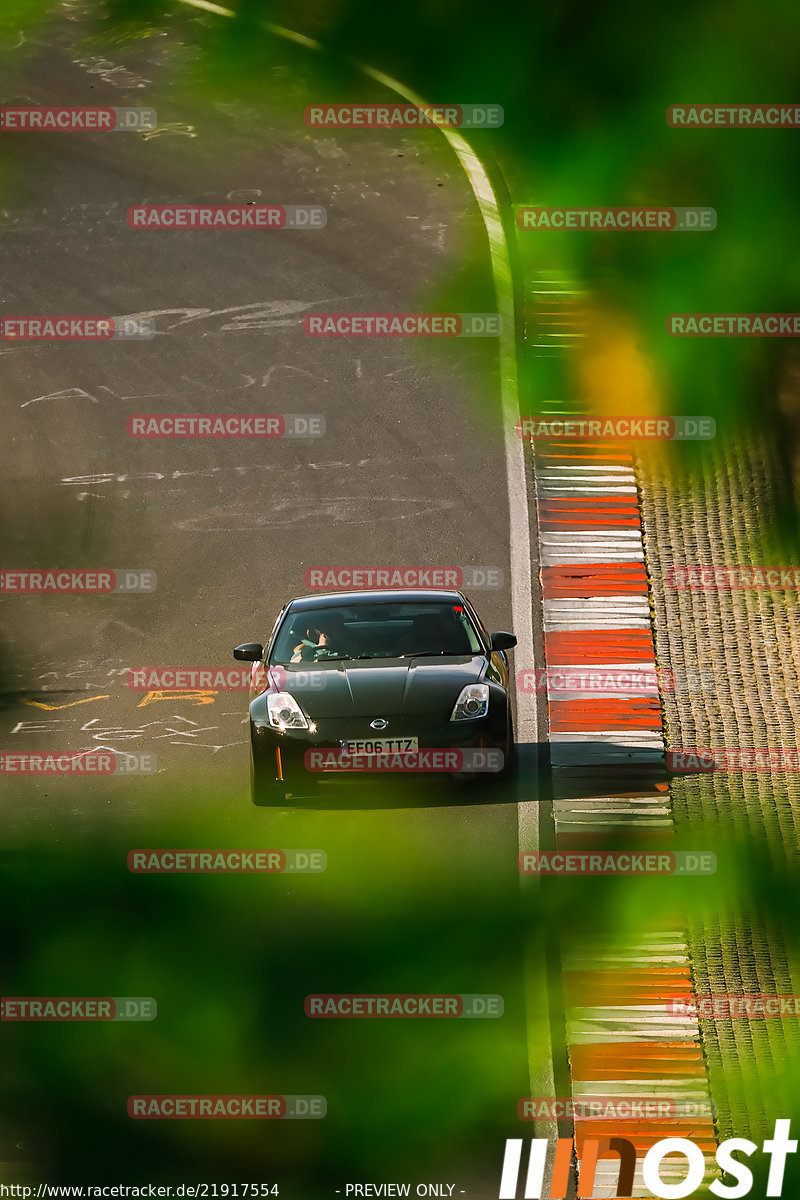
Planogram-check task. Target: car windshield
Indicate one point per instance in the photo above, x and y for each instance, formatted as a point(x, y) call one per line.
point(370, 630)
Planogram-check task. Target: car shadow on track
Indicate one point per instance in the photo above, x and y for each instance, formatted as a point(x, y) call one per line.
point(523, 783)
point(611, 772)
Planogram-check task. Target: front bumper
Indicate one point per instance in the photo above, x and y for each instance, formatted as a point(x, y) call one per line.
point(284, 757)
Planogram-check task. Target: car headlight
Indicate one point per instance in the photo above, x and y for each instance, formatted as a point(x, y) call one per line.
point(473, 702)
point(284, 712)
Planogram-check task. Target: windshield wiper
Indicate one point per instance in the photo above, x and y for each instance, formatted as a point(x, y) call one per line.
point(429, 653)
point(361, 657)
point(375, 656)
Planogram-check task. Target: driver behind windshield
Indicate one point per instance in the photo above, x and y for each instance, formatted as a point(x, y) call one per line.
point(329, 639)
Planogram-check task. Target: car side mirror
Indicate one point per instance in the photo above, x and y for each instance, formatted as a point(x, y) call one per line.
point(503, 641)
point(249, 652)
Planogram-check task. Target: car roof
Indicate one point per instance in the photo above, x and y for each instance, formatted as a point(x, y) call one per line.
point(388, 596)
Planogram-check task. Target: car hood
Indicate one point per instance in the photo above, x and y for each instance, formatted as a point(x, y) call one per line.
point(382, 687)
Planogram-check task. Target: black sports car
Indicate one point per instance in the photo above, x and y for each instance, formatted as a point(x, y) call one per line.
point(382, 680)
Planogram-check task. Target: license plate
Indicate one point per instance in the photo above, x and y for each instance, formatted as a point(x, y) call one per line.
point(381, 746)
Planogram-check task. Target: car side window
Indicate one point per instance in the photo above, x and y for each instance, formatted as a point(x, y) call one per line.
point(271, 638)
point(482, 632)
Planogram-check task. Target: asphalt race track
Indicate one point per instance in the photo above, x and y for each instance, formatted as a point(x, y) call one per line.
point(410, 471)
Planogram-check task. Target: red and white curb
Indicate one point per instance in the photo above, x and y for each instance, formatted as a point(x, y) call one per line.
point(607, 757)
point(624, 1043)
point(595, 602)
